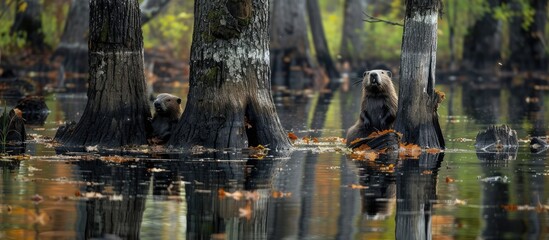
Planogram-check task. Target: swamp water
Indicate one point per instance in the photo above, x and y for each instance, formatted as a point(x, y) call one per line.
point(315, 192)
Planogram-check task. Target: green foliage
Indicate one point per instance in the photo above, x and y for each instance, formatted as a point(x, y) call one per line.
point(171, 29)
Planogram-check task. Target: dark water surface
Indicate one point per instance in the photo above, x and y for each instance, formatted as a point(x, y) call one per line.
point(316, 192)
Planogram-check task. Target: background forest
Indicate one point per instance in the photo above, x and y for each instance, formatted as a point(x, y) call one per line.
point(170, 31)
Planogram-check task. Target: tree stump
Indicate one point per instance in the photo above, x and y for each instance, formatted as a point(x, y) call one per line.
point(497, 138)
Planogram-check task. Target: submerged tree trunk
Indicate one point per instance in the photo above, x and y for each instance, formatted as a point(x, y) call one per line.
point(417, 119)
point(319, 39)
point(74, 41)
point(352, 49)
point(117, 111)
point(229, 103)
point(482, 44)
point(289, 42)
point(28, 22)
point(528, 50)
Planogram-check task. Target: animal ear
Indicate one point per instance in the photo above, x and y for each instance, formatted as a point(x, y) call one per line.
point(389, 73)
point(179, 100)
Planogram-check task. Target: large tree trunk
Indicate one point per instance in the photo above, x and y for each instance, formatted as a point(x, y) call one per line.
point(417, 119)
point(117, 111)
point(352, 49)
point(528, 51)
point(229, 103)
point(289, 42)
point(319, 39)
point(74, 41)
point(28, 22)
point(482, 44)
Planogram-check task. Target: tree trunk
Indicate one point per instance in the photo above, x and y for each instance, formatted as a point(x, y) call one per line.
point(74, 41)
point(117, 111)
point(417, 119)
point(289, 42)
point(229, 103)
point(353, 26)
point(28, 21)
point(319, 38)
point(528, 52)
point(482, 44)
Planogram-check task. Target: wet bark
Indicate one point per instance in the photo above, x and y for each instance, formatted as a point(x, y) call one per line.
point(74, 41)
point(73, 47)
point(351, 49)
point(229, 103)
point(289, 42)
point(528, 51)
point(417, 118)
point(319, 39)
point(29, 24)
point(117, 111)
point(482, 43)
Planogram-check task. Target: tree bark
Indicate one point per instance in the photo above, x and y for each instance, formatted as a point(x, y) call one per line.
point(528, 52)
point(117, 111)
point(417, 119)
point(289, 42)
point(229, 103)
point(74, 41)
point(482, 44)
point(319, 39)
point(351, 49)
point(28, 21)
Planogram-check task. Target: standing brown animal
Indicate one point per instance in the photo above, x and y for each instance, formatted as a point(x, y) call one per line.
point(379, 105)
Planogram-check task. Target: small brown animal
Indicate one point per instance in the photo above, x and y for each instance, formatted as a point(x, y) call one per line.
point(167, 113)
point(379, 105)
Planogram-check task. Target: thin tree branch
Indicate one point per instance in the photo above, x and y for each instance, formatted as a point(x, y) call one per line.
point(372, 19)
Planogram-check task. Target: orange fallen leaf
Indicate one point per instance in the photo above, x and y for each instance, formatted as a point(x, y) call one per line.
point(278, 194)
point(433, 150)
point(292, 136)
point(306, 140)
point(315, 140)
point(449, 179)
point(409, 151)
point(427, 172)
point(246, 211)
point(357, 186)
point(510, 207)
point(221, 193)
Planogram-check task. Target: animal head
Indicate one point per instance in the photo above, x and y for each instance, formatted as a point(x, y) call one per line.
point(167, 104)
point(377, 81)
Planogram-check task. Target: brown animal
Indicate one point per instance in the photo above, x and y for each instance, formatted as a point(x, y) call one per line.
point(379, 105)
point(167, 113)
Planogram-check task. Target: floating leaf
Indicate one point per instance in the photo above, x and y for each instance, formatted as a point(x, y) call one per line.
point(292, 136)
point(246, 211)
point(409, 151)
point(278, 194)
point(357, 186)
point(449, 179)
